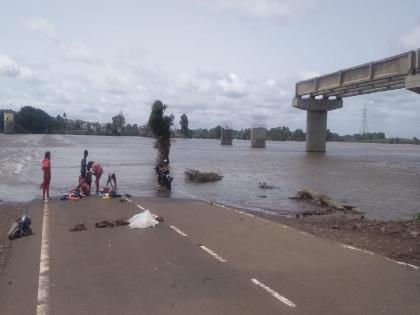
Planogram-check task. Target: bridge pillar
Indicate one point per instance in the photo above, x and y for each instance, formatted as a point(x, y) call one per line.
point(412, 83)
point(316, 120)
point(9, 122)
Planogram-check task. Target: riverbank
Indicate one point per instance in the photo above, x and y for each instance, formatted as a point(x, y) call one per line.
point(399, 240)
point(9, 212)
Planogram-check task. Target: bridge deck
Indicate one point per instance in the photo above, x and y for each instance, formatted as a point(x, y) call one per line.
point(377, 76)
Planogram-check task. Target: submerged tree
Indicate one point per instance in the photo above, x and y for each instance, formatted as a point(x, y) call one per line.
point(184, 126)
point(118, 124)
point(160, 125)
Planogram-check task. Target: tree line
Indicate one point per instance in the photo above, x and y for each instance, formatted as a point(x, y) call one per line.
point(34, 120)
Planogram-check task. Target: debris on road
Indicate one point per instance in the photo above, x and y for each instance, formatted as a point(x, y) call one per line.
point(202, 177)
point(106, 224)
point(20, 228)
point(144, 220)
point(78, 227)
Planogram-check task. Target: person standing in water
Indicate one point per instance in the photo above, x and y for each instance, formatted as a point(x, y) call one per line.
point(46, 168)
point(83, 165)
point(112, 180)
point(96, 170)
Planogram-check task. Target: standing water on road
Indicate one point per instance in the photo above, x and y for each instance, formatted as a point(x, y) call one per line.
point(382, 179)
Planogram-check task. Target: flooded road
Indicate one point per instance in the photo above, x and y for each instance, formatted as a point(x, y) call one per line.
point(384, 180)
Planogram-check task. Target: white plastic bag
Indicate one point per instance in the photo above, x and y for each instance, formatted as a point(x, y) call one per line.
point(142, 220)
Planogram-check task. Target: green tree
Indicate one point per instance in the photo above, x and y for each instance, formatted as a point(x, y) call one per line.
point(60, 123)
point(160, 125)
point(184, 126)
point(118, 124)
point(34, 120)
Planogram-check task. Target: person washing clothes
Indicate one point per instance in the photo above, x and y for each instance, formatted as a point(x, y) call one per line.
point(112, 180)
point(46, 168)
point(88, 179)
point(97, 170)
point(83, 165)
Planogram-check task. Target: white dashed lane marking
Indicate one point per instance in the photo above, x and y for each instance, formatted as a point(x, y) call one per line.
point(178, 231)
point(273, 293)
point(209, 251)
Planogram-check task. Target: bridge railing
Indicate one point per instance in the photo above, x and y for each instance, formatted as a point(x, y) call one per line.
point(381, 75)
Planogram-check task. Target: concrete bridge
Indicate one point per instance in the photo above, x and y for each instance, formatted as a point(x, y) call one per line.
point(321, 94)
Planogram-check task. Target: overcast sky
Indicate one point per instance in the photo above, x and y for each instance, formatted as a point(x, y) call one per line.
point(217, 61)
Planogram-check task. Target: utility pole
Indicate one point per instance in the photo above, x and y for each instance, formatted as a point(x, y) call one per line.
point(364, 124)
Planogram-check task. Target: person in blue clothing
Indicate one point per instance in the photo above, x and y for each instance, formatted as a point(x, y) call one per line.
point(83, 164)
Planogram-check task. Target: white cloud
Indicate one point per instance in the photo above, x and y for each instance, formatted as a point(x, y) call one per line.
point(112, 81)
point(232, 86)
point(279, 9)
point(76, 52)
point(411, 40)
point(8, 66)
point(69, 51)
point(41, 25)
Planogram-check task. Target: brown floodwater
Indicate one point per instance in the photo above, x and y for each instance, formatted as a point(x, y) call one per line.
point(382, 179)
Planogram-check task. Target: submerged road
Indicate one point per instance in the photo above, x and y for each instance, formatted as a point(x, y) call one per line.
point(204, 259)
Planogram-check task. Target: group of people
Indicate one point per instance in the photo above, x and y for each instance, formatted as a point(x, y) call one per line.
point(87, 170)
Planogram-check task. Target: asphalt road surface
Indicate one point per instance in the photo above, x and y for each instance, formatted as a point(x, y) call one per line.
point(203, 259)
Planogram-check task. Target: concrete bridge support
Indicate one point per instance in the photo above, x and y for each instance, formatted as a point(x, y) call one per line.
point(316, 120)
point(258, 136)
point(226, 136)
point(9, 122)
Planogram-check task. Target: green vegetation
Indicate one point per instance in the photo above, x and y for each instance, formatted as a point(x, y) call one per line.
point(34, 120)
point(160, 126)
point(184, 126)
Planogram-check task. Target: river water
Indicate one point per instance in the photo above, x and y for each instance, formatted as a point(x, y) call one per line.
point(384, 180)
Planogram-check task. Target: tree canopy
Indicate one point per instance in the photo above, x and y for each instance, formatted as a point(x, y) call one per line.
point(34, 120)
point(184, 126)
point(118, 124)
point(159, 123)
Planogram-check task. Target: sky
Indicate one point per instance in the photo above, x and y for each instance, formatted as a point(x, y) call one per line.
point(229, 62)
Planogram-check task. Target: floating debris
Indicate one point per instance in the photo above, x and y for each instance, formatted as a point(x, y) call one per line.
point(202, 177)
point(264, 185)
point(324, 200)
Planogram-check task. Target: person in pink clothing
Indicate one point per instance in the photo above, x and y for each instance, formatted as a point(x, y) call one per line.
point(46, 169)
point(97, 170)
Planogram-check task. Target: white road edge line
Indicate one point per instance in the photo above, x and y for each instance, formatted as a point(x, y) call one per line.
point(208, 250)
point(372, 253)
point(178, 231)
point(129, 200)
point(402, 263)
point(357, 249)
point(273, 293)
point(44, 268)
